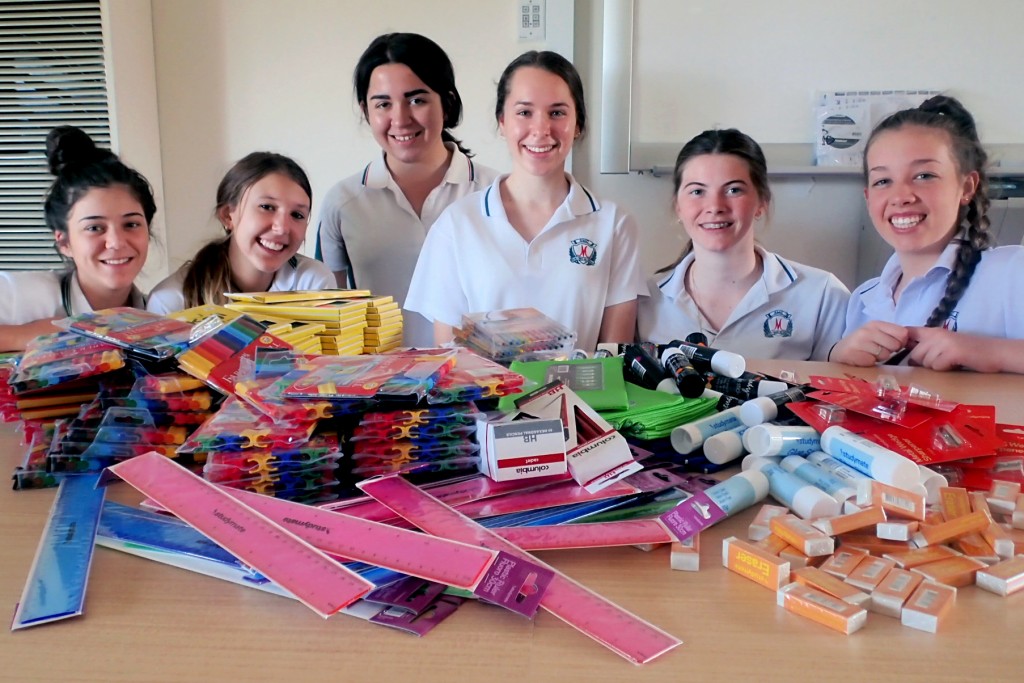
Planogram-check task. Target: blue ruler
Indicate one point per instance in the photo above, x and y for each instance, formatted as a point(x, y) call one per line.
point(171, 541)
point(56, 583)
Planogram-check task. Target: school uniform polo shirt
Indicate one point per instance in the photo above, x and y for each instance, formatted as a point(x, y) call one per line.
point(368, 228)
point(583, 261)
point(989, 307)
point(307, 274)
point(27, 296)
point(794, 311)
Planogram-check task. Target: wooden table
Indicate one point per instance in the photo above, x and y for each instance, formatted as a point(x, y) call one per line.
point(148, 622)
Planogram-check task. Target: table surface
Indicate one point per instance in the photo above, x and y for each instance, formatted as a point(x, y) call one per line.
point(144, 621)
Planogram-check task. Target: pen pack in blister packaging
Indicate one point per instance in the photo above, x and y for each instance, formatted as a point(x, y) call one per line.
point(431, 431)
point(523, 333)
point(463, 414)
point(411, 450)
point(238, 425)
point(267, 396)
point(405, 376)
point(58, 359)
point(474, 378)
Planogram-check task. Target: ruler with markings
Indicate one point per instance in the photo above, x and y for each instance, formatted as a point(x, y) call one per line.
point(318, 581)
point(55, 588)
point(583, 535)
point(623, 632)
point(491, 574)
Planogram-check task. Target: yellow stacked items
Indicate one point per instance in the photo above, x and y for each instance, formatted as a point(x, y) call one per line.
point(383, 325)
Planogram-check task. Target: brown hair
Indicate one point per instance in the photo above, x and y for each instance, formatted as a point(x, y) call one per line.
point(209, 273)
point(948, 114)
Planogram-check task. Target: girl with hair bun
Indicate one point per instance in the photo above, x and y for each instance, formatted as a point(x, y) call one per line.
point(263, 204)
point(373, 223)
point(945, 299)
point(100, 211)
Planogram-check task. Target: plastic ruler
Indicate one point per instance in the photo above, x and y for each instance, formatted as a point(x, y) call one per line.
point(55, 588)
point(597, 535)
point(623, 632)
point(494, 575)
point(318, 581)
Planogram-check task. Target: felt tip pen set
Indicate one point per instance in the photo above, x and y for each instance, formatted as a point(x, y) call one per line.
point(520, 333)
point(474, 378)
point(59, 359)
point(237, 425)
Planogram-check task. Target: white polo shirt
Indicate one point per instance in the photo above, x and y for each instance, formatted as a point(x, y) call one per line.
point(584, 260)
point(168, 296)
point(368, 227)
point(794, 311)
point(989, 306)
point(27, 296)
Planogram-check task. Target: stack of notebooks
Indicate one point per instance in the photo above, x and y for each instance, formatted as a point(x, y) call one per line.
point(343, 322)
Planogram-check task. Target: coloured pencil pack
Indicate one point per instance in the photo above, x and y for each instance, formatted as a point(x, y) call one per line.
point(520, 333)
point(145, 334)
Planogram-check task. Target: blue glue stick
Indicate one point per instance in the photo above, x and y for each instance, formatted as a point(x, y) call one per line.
point(707, 507)
point(769, 439)
point(803, 498)
point(812, 474)
point(867, 457)
point(689, 437)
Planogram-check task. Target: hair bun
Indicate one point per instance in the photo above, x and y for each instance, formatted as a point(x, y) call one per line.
point(953, 108)
point(70, 146)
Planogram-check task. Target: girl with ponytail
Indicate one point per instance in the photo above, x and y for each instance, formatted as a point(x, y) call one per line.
point(263, 204)
point(945, 298)
point(100, 212)
point(373, 223)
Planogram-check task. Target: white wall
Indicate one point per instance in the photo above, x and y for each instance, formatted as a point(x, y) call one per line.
point(233, 76)
point(135, 127)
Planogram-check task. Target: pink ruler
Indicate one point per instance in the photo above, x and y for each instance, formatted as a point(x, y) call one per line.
point(604, 621)
point(320, 582)
point(597, 535)
point(488, 573)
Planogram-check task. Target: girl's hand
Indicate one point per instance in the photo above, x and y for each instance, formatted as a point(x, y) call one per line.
point(871, 344)
point(939, 349)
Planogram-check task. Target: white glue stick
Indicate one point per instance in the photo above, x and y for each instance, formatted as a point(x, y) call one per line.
point(725, 446)
point(689, 437)
point(869, 458)
point(768, 439)
point(806, 500)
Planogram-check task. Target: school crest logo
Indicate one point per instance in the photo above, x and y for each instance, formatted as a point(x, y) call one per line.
point(950, 322)
point(583, 252)
point(778, 323)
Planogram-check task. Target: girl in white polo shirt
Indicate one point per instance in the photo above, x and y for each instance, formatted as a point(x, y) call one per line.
point(373, 224)
point(742, 297)
point(263, 204)
point(944, 297)
point(535, 237)
point(100, 211)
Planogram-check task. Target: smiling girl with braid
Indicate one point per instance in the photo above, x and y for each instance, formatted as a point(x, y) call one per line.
point(944, 299)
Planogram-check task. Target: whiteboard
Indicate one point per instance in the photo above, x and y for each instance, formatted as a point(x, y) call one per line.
point(756, 65)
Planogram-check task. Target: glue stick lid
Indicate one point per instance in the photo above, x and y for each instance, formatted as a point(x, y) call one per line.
point(723, 447)
point(811, 502)
point(686, 439)
point(728, 363)
point(758, 410)
point(763, 439)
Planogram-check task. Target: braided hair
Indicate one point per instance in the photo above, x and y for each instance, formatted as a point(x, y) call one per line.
point(948, 114)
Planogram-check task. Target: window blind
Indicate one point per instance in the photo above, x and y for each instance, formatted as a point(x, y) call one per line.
point(51, 73)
